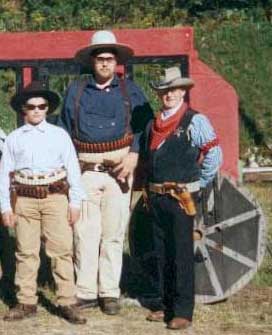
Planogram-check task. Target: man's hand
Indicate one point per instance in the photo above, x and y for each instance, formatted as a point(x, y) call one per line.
point(8, 219)
point(127, 166)
point(73, 215)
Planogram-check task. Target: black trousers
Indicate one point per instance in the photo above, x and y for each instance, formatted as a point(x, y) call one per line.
point(173, 243)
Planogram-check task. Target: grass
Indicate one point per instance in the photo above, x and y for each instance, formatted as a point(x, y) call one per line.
point(263, 194)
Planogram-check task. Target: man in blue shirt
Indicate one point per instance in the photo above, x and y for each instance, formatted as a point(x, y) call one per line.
point(182, 155)
point(105, 116)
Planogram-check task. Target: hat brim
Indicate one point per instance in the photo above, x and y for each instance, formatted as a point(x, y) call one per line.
point(185, 83)
point(123, 52)
point(19, 99)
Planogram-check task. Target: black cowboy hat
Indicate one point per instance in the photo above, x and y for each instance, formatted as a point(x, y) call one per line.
point(34, 90)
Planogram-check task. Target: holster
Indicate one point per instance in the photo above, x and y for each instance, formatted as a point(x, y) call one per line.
point(180, 193)
point(185, 200)
point(13, 198)
point(106, 166)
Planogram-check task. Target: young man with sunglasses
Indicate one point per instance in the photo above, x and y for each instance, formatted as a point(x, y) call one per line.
point(40, 195)
point(105, 115)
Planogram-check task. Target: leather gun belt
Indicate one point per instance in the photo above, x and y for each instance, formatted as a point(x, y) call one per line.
point(168, 186)
point(41, 191)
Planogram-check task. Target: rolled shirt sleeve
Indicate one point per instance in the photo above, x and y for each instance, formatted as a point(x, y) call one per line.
point(202, 132)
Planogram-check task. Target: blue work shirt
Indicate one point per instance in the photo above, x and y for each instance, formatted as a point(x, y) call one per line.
point(102, 116)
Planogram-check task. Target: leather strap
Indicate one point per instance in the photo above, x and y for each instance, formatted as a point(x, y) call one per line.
point(166, 187)
point(81, 86)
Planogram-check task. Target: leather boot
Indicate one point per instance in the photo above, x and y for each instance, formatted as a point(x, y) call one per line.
point(110, 306)
point(72, 314)
point(20, 312)
point(179, 323)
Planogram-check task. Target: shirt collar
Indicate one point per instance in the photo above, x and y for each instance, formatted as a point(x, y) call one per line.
point(41, 126)
point(166, 113)
point(115, 82)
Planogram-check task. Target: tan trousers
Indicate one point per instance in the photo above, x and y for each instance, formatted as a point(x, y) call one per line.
point(46, 218)
point(99, 236)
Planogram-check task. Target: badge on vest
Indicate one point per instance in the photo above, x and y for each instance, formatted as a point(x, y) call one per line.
point(178, 131)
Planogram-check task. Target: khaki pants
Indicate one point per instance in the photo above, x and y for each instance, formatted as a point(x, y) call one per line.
point(46, 218)
point(99, 236)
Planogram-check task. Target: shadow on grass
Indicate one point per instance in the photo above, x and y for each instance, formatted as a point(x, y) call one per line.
point(139, 278)
point(7, 268)
point(47, 304)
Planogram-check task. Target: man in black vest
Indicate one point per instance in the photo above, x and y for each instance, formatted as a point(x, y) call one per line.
point(182, 155)
point(105, 116)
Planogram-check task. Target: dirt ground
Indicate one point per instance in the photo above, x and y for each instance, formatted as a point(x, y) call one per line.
point(247, 313)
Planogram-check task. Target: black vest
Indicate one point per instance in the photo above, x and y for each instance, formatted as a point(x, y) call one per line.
point(176, 159)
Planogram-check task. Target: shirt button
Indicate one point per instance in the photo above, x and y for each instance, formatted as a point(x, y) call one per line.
point(107, 89)
point(113, 123)
point(100, 126)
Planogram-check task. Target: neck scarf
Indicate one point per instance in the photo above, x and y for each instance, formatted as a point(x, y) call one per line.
point(162, 129)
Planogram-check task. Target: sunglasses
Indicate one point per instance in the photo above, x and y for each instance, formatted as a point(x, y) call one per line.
point(31, 107)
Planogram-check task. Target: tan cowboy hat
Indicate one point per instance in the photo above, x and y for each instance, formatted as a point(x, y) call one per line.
point(172, 78)
point(35, 89)
point(106, 41)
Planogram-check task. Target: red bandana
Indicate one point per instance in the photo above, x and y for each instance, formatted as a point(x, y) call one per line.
point(161, 129)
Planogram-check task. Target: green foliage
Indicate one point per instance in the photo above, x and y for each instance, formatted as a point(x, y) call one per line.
point(242, 54)
point(8, 116)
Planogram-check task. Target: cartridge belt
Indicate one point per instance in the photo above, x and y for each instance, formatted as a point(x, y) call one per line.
point(87, 147)
point(39, 179)
point(41, 191)
point(168, 187)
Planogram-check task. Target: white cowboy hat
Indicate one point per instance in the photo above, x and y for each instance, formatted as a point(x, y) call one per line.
point(172, 78)
point(104, 40)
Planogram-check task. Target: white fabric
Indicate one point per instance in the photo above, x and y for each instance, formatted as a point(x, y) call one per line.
point(99, 236)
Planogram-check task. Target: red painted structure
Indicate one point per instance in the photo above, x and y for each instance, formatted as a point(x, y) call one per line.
point(212, 94)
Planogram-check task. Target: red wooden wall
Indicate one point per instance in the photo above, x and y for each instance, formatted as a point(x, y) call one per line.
point(211, 95)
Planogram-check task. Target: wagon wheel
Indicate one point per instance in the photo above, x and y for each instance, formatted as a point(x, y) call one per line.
point(229, 235)
point(229, 241)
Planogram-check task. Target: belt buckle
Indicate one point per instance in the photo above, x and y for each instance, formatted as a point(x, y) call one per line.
point(99, 167)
